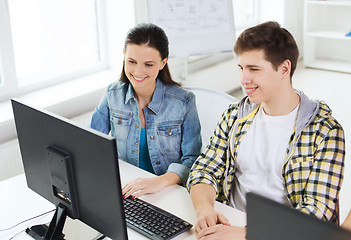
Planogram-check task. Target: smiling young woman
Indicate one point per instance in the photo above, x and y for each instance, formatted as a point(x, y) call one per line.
point(153, 119)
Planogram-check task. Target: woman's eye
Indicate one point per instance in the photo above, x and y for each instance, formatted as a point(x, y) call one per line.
point(130, 61)
point(148, 65)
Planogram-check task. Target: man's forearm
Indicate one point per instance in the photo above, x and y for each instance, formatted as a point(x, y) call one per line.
point(203, 197)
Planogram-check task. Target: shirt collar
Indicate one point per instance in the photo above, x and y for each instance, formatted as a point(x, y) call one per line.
point(130, 94)
point(157, 98)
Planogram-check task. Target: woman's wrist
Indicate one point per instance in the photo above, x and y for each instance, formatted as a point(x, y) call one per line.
point(169, 178)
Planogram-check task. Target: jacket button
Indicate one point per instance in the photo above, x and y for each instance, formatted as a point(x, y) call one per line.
point(152, 137)
point(158, 162)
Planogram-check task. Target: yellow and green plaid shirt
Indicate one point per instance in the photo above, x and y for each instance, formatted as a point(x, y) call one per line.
point(314, 164)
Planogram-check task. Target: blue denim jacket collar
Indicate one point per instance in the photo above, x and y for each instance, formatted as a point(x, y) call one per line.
point(157, 99)
point(130, 94)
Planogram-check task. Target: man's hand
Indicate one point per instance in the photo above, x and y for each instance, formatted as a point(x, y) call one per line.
point(209, 218)
point(203, 197)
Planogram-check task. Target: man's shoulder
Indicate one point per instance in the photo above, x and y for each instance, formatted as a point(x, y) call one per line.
point(324, 116)
point(242, 108)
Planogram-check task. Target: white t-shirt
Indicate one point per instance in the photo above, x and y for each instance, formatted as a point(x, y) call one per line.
point(261, 156)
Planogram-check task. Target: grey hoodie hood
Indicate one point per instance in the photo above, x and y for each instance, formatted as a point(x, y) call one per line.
point(307, 111)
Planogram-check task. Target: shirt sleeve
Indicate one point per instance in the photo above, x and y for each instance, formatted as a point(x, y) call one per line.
point(191, 141)
point(320, 196)
point(100, 120)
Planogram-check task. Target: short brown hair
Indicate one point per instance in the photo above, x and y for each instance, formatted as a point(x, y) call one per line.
point(276, 42)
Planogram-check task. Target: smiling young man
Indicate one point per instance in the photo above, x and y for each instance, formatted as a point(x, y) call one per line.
point(275, 142)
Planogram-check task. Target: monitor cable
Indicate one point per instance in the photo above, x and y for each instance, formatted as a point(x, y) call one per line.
point(26, 220)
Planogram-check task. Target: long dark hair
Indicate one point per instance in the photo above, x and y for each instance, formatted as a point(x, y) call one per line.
point(153, 36)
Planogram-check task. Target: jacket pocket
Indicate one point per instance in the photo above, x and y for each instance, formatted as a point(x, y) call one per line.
point(169, 134)
point(121, 122)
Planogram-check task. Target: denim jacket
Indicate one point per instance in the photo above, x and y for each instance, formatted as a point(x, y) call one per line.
point(172, 124)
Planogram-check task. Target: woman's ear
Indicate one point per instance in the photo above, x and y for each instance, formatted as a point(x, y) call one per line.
point(164, 61)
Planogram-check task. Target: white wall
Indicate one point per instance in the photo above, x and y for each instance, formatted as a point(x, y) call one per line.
point(293, 20)
point(10, 156)
point(10, 162)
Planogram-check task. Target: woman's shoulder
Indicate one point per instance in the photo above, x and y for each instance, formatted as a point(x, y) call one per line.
point(178, 92)
point(118, 85)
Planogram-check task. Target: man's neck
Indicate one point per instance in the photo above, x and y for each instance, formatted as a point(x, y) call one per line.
point(283, 104)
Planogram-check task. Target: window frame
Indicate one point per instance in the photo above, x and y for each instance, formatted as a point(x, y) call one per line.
point(9, 85)
point(239, 27)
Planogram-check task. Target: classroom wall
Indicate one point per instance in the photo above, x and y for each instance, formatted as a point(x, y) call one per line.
point(11, 163)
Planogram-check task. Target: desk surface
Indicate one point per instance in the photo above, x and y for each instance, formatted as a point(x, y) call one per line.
point(18, 203)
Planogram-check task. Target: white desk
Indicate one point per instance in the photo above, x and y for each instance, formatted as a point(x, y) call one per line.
point(18, 202)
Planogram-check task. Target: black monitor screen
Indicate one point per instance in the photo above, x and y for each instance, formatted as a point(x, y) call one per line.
point(74, 167)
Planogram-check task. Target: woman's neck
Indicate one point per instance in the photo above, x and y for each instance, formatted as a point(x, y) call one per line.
point(143, 98)
point(144, 95)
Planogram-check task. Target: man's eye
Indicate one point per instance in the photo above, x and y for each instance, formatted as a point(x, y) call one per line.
point(254, 69)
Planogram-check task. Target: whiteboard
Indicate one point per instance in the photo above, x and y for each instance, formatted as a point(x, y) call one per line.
point(195, 27)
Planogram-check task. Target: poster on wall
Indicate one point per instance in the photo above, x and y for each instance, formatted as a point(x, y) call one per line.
point(195, 27)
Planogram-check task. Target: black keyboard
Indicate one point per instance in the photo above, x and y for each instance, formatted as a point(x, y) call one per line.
point(151, 221)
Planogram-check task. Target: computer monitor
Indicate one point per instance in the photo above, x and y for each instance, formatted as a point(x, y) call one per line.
point(74, 167)
point(268, 219)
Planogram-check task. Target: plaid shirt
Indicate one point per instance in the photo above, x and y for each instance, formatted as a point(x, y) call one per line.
point(314, 164)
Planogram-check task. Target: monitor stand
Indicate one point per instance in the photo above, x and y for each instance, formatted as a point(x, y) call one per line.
point(54, 230)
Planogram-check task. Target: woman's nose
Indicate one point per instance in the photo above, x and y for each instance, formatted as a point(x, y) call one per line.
point(139, 70)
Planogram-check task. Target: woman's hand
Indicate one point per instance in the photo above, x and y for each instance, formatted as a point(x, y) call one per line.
point(141, 186)
point(222, 232)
